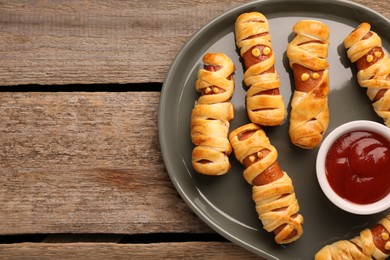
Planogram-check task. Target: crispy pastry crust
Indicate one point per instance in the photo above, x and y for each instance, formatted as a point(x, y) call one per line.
point(307, 52)
point(365, 46)
point(265, 106)
point(360, 247)
point(276, 204)
point(211, 115)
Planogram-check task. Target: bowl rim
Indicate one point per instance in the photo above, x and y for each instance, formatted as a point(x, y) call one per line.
point(360, 209)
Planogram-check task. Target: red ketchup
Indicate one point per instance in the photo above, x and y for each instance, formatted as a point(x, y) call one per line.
point(358, 167)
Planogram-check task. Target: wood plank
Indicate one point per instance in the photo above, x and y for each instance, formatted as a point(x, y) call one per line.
point(65, 42)
point(185, 250)
point(86, 163)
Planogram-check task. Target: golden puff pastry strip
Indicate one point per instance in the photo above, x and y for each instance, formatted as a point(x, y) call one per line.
point(272, 189)
point(264, 103)
point(364, 47)
point(209, 131)
point(307, 52)
point(211, 115)
point(215, 81)
point(373, 243)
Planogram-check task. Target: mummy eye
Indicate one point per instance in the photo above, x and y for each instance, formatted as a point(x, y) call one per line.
point(387, 245)
point(256, 52)
point(266, 50)
point(315, 76)
point(305, 77)
point(384, 236)
point(369, 58)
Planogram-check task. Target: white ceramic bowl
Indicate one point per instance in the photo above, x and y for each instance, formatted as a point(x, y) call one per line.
point(340, 202)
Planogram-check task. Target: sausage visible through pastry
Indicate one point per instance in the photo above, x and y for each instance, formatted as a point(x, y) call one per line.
point(364, 47)
point(264, 103)
point(371, 243)
point(273, 192)
point(307, 52)
point(211, 115)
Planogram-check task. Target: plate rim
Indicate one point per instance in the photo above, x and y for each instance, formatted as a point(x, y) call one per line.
point(164, 93)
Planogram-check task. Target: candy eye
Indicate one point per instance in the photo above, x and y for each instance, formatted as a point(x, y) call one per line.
point(305, 77)
point(369, 58)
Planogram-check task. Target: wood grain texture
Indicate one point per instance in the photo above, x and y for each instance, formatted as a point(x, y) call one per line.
point(65, 42)
point(86, 163)
point(185, 250)
point(68, 42)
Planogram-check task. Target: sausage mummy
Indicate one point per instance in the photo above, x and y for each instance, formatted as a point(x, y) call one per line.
point(372, 243)
point(307, 54)
point(364, 47)
point(272, 189)
point(211, 115)
point(265, 105)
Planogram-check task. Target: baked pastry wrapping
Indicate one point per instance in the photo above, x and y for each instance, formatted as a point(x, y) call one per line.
point(307, 53)
point(364, 47)
point(211, 115)
point(373, 243)
point(264, 103)
point(272, 189)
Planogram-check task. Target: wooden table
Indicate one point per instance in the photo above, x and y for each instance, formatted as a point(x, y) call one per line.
point(81, 171)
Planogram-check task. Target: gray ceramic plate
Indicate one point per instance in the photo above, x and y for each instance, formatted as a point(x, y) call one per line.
point(224, 202)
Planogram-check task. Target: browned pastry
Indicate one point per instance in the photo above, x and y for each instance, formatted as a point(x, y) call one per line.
point(272, 190)
point(265, 105)
point(211, 115)
point(364, 47)
point(372, 243)
point(307, 54)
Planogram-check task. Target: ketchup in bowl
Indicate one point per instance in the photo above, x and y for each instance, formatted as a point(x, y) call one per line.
point(357, 166)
